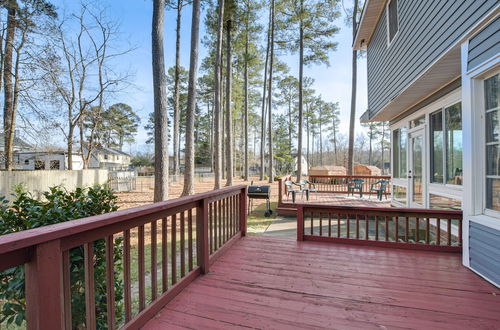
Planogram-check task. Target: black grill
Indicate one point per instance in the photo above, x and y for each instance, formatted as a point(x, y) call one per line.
point(260, 192)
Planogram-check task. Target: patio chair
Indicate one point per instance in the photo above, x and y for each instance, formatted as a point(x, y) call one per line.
point(291, 190)
point(355, 184)
point(381, 189)
point(308, 187)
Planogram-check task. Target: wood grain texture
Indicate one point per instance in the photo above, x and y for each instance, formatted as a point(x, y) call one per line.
point(272, 283)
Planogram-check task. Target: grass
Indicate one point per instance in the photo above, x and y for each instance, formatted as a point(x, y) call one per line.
point(257, 222)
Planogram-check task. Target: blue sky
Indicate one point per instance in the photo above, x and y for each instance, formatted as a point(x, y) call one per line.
point(334, 82)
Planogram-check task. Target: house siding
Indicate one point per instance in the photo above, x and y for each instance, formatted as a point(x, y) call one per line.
point(483, 251)
point(484, 45)
point(427, 29)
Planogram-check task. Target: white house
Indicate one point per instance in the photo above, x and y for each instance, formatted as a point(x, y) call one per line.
point(46, 160)
point(109, 158)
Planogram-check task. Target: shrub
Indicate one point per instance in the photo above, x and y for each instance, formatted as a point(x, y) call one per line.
point(59, 205)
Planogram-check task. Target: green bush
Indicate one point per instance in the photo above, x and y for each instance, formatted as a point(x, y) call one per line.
point(59, 205)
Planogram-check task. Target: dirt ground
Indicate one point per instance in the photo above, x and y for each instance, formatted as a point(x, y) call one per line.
point(144, 193)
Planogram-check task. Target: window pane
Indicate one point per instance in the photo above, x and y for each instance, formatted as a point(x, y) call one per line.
point(493, 194)
point(454, 144)
point(437, 147)
point(492, 126)
point(395, 153)
point(399, 194)
point(417, 122)
point(403, 147)
point(491, 92)
point(444, 203)
point(393, 19)
point(492, 160)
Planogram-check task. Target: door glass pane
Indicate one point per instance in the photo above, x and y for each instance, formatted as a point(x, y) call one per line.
point(492, 126)
point(437, 147)
point(493, 194)
point(403, 151)
point(395, 153)
point(492, 160)
point(453, 116)
point(491, 92)
point(417, 195)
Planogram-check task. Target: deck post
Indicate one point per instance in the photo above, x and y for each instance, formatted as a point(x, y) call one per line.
point(44, 287)
point(300, 222)
point(243, 211)
point(202, 236)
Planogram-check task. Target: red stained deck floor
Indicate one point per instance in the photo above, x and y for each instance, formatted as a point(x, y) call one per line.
point(274, 283)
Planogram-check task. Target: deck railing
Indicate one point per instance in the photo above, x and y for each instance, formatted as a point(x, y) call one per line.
point(165, 246)
point(439, 230)
point(338, 183)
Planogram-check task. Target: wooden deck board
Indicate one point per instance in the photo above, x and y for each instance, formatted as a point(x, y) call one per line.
point(273, 283)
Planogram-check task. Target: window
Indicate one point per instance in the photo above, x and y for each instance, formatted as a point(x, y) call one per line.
point(417, 122)
point(444, 203)
point(55, 165)
point(39, 165)
point(491, 96)
point(399, 147)
point(399, 194)
point(446, 145)
point(392, 18)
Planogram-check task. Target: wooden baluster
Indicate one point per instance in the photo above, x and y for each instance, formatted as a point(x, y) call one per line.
point(127, 290)
point(357, 226)
point(141, 275)
point(348, 223)
point(66, 290)
point(338, 225)
point(459, 232)
point(173, 248)
point(226, 219)
point(242, 202)
point(376, 228)
point(438, 231)
point(154, 261)
point(329, 225)
point(219, 222)
point(396, 228)
point(89, 286)
point(211, 227)
point(202, 250)
point(182, 248)
point(190, 239)
point(164, 254)
point(110, 282)
point(417, 230)
point(320, 225)
point(386, 228)
point(407, 229)
point(449, 231)
point(367, 227)
point(427, 231)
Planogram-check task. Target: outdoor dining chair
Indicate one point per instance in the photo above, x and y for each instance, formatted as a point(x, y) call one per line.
point(355, 184)
point(308, 187)
point(293, 191)
point(381, 189)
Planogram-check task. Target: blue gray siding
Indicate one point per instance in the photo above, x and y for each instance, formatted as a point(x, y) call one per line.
point(485, 44)
point(427, 29)
point(484, 253)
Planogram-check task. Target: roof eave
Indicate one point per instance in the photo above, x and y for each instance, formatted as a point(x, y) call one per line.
point(372, 10)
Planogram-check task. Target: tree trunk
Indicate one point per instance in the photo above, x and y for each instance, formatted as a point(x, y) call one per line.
point(264, 104)
point(191, 106)
point(217, 100)
point(229, 120)
point(301, 92)
point(176, 117)
point(245, 111)
point(160, 102)
point(270, 99)
point(353, 94)
point(9, 120)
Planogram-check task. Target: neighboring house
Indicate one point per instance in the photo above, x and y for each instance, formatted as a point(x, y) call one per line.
point(19, 145)
point(109, 158)
point(46, 160)
point(433, 73)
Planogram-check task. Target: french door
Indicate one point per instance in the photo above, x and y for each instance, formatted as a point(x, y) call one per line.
point(416, 170)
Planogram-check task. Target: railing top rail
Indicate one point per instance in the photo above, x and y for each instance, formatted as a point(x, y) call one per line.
point(31, 237)
point(395, 210)
point(351, 176)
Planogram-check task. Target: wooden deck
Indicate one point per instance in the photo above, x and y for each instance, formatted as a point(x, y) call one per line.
point(273, 283)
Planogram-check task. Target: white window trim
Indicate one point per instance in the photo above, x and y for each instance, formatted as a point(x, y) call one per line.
point(389, 41)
